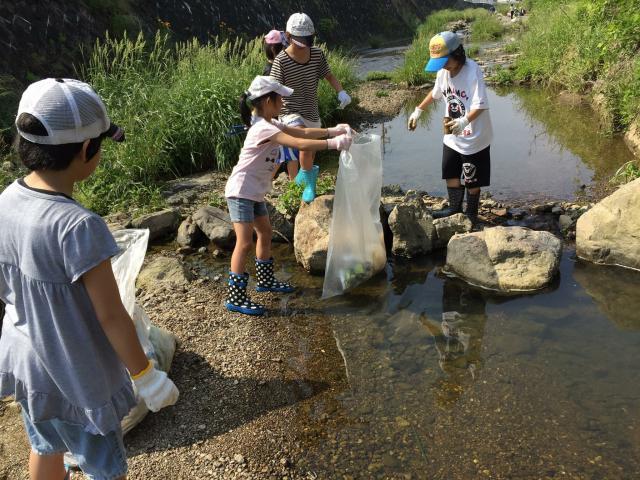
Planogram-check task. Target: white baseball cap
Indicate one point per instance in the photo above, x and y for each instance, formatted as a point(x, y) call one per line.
point(262, 85)
point(300, 25)
point(70, 110)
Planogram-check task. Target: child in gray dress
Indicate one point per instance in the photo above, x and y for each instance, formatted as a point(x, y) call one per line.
point(68, 350)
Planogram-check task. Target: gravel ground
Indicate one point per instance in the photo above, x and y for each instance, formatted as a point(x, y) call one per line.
point(243, 383)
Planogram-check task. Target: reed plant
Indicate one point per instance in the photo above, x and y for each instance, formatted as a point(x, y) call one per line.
point(586, 46)
point(484, 27)
point(176, 103)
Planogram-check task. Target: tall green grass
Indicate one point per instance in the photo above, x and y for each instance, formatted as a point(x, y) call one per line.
point(484, 27)
point(586, 46)
point(176, 103)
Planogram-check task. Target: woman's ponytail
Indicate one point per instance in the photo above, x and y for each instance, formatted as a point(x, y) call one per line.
point(245, 110)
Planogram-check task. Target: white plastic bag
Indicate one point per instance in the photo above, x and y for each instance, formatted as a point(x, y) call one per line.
point(356, 240)
point(158, 344)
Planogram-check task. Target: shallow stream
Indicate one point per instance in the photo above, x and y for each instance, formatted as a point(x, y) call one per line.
point(448, 381)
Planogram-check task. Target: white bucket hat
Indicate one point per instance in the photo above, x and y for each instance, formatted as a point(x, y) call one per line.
point(300, 25)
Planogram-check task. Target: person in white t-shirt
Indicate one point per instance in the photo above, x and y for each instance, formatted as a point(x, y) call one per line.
point(251, 178)
point(466, 161)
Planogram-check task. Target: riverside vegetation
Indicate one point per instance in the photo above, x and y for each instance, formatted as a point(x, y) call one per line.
point(176, 102)
point(587, 47)
point(485, 27)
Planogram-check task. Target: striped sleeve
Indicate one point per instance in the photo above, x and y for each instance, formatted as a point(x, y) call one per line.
point(276, 70)
point(323, 66)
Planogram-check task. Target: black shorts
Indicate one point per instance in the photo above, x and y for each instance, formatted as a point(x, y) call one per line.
point(472, 170)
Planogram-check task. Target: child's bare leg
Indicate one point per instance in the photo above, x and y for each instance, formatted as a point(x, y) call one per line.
point(263, 228)
point(292, 169)
point(306, 159)
point(46, 467)
point(244, 244)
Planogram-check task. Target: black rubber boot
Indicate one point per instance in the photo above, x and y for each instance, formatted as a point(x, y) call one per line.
point(473, 201)
point(237, 300)
point(456, 196)
point(267, 282)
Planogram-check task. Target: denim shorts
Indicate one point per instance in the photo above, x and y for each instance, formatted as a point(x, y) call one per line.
point(245, 210)
point(99, 457)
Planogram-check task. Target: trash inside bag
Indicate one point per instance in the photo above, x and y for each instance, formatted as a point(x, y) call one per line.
point(158, 344)
point(356, 240)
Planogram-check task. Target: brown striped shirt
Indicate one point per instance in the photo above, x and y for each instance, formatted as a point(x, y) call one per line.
point(304, 79)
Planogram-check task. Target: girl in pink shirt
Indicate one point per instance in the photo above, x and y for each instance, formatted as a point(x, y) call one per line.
point(251, 178)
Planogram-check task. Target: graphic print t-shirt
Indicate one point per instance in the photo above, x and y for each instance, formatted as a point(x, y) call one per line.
point(463, 93)
point(251, 177)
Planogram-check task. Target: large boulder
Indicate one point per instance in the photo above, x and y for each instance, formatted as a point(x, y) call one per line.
point(311, 233)
point(216, 225)
point(447, 227)
point(505, 258)
point(412, 227)
point(163, 272)
point(160, 224)
point(609, 233)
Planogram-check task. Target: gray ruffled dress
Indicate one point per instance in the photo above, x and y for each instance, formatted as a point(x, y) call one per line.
point(54, 354)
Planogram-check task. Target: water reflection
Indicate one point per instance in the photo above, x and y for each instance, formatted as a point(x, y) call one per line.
point(541, 149)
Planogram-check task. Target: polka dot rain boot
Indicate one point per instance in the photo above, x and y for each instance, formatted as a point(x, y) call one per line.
point(267, 282)
point(237, 300)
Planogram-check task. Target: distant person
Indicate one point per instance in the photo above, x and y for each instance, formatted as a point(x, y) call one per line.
point(69, 352)
point(301, 66)
point(274, 42)
point(466, 159)
point(251, 178)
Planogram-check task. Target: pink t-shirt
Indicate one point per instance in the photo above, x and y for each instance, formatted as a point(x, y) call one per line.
point(251, 177)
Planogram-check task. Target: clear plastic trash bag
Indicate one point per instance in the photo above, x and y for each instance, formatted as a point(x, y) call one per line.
point(356, 240)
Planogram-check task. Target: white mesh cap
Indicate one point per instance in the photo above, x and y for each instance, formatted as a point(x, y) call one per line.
point(300, 25)
point(70, 110)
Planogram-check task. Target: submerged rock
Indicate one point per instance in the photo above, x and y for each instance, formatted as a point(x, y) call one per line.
point(609, 233)
point(413, 231)
point(311, 233)
point(216, 225)
point(505, 258)
point(613, 292)
point(160, 224)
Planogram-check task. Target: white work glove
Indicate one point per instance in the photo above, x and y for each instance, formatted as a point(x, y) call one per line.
point(457, 125)
point(413, 118)
point(344, 99)
point(341, 142)
point(155, 388)
point(340, 129)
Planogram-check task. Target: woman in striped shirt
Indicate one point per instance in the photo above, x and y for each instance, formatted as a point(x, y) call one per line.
point(301, 66)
